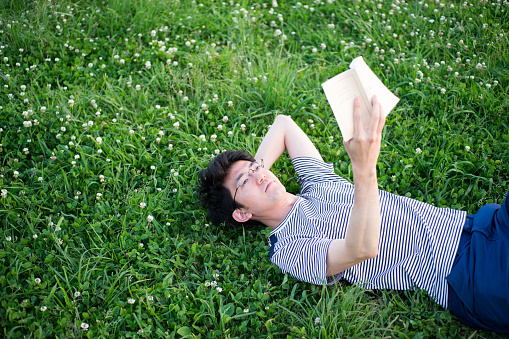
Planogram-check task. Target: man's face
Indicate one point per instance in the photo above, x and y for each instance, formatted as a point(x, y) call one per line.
point(259, 190)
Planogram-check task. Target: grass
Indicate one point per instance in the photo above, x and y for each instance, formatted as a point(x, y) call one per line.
point(109, 109)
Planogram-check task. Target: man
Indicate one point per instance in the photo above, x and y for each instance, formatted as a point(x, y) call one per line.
point(379, 240)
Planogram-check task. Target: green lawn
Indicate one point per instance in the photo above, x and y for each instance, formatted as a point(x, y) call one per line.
point(109, 109)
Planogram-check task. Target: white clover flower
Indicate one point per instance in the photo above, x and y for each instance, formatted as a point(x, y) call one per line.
point(99, 140)
point(77, 156)
point(84, 326)
point(246, 310)
point(323, 46)
point(243, 127)
point(331, 139)
point(230, 133)
point(77, 294)
point(99, 151)
point(317, 321)
point(138, 87)
point(225, 119)
point(143, 205)
point(418, 150)
point(101, 177)
point(204, 106)
point(230, 103)
point(219, 289)
point(443, 90)
point(217, 151)
point(185, 99)
point(150, 218)
point(34, 236)
point(43, 109)
point(202, 137)
point(176, 125)
point(152, 167)
point(393, 178)
point(98, 196)
point(170, 147)
point(220, 127)
point(131, 301)
point(8, 238)
point(37, 280)
point(39, 179)
point(131, 131)
point(467, 148)
point(314, 50)
point(150, 298)
point(15, 174)
point(90, 123)
point(43, 308)
point(71, 102)
point(63, 129)
point(148, 65)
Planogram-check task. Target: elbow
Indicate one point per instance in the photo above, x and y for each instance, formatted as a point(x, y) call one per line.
point(373, 253)
point(369, 253)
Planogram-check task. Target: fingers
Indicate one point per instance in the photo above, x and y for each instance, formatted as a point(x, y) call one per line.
point(357, 116)
point(375, 114)
point(377, 120)
point(381, 122)
point(378, 112)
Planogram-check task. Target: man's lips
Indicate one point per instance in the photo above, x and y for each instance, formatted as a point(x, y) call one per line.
point(267, 187)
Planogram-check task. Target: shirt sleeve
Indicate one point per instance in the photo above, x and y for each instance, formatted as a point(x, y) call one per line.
point(305, 259)
point(313, 171)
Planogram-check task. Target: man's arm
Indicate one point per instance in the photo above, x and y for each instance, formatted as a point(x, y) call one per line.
point(284, 134)
point(363, 232)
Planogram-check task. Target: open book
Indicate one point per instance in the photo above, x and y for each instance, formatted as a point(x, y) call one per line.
point(359, 80)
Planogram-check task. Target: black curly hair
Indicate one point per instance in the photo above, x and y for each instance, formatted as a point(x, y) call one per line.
point(211, 192)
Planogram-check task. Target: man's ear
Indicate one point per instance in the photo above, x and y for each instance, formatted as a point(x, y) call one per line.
point(241, 216)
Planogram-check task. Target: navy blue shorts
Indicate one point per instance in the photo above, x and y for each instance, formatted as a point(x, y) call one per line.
point(479, 279)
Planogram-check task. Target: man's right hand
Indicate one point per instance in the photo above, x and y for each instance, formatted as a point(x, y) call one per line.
point(364, 148)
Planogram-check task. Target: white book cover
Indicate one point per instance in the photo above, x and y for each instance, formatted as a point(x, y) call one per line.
point(359, 80)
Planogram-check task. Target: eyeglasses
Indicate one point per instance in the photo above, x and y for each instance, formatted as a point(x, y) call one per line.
point(245, 177)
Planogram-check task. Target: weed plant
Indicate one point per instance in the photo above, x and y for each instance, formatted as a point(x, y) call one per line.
point(109, 109)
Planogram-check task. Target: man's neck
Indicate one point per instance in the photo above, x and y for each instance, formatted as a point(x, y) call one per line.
point(279, 212)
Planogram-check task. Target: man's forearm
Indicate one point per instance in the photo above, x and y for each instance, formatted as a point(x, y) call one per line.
point(363, 231)
point(273, 144)
point(284, 134)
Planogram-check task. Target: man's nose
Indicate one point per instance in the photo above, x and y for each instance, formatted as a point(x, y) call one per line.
point(259, 177)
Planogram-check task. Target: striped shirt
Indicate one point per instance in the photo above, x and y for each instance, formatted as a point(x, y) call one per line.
point(418, 242)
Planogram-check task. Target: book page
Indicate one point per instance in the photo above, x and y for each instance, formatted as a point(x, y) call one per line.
point(340, 92)
point(372, 85)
